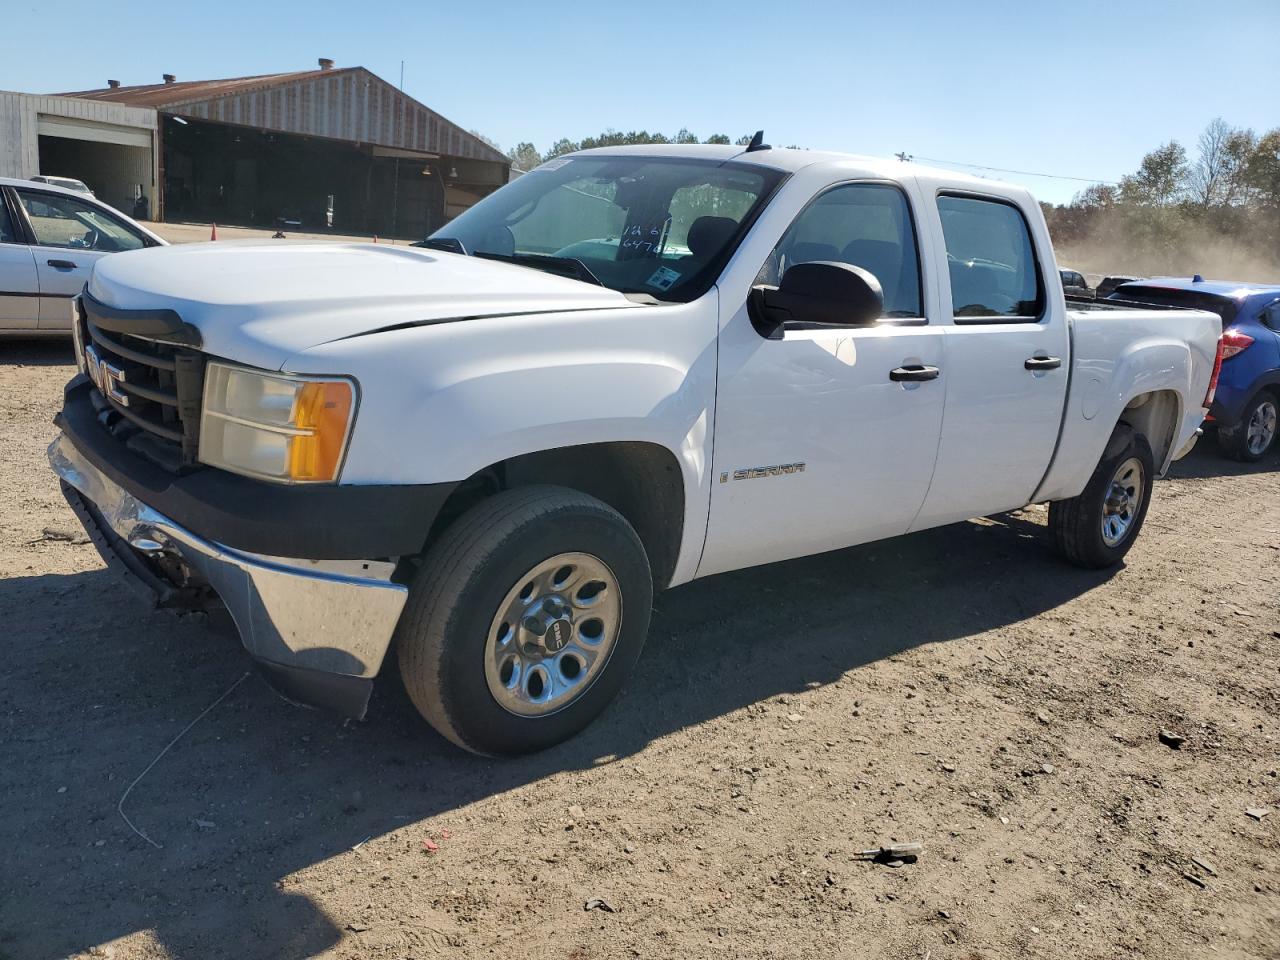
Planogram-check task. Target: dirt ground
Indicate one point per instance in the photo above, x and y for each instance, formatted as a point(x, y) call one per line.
point(959, 687)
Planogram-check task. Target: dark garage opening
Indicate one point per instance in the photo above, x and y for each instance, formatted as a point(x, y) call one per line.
point(113, 172)
point(221, 173)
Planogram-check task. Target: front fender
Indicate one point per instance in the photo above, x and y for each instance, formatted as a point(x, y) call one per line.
point(443, 401)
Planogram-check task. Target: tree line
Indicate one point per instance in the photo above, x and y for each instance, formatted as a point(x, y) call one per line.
point(526, 156)
point(1215, 210)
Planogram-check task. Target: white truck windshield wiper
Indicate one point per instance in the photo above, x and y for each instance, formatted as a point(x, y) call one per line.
point(564, 266)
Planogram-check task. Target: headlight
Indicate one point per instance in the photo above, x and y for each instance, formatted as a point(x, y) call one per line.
point(274, 426)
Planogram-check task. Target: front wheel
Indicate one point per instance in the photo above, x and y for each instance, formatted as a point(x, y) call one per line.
point(524, 620)
point(1255, 434)
point(1097, 528)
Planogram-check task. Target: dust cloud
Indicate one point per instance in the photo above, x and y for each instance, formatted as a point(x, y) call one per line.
point(1205, 252)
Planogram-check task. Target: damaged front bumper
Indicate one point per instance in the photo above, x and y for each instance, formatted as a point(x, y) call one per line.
point(319, 629)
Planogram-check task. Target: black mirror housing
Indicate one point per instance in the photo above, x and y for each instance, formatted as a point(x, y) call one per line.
point(822, 292)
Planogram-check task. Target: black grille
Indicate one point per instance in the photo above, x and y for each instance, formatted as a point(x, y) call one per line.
point(147, 392)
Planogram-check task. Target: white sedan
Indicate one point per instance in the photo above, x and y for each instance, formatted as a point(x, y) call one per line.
point(49, 240)
point(70, 183)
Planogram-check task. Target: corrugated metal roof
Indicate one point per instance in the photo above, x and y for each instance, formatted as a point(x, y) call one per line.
point(350, 103)
point(184, 91)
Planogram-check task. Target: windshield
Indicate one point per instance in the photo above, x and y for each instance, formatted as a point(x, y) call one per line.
point(657, 227)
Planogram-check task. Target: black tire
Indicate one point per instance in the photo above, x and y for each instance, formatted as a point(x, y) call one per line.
point(1233, 441)
point(442, 636)
point(1076, 525)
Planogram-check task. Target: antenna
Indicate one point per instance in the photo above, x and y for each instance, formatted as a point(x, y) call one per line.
point(757, 143)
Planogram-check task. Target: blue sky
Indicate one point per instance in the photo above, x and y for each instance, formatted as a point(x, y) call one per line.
point(1078, 89)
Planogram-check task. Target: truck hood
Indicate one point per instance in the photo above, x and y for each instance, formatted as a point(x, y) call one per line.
point(261, 303)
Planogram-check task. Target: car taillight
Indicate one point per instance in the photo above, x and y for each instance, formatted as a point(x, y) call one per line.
point(1213, 377)
point(1233, 342)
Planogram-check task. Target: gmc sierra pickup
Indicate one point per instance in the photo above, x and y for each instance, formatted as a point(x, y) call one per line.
point(629, 368)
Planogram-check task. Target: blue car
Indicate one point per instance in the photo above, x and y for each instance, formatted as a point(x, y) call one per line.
point(1248, 396)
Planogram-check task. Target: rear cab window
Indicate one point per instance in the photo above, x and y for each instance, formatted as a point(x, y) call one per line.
point(995, 277)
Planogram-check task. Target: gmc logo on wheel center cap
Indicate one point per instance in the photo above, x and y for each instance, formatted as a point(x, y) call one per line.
point(558, 633)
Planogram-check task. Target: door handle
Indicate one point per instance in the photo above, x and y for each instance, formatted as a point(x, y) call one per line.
point(1043, 363)
point(62, 264)
point(913, 373)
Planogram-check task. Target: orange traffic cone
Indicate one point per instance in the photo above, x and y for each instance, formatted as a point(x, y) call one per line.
point(213, 234)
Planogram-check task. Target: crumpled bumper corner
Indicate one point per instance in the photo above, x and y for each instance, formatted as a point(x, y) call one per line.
point(320, 629)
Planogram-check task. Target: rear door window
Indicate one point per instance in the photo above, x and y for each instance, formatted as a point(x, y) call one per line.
point(7, 232)
point(1270, 316)
point(991, 259)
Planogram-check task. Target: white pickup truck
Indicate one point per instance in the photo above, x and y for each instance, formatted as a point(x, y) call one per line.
point(628, 369)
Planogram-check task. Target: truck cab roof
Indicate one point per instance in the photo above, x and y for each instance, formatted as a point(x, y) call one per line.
point(791, 160)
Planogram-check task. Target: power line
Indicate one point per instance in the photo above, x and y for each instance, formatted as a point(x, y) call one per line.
point(1024, 173)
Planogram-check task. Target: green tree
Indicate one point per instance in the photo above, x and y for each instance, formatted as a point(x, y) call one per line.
point(1097, 196)
point(524, 156)
point(1161, 179)
point(561, 146)
point(1262, 171)
point(718, 138)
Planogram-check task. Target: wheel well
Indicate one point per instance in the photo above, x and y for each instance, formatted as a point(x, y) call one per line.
point(642, 481)
point(1155, 415)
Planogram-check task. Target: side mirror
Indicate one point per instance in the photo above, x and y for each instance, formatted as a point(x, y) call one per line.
point(822, 292)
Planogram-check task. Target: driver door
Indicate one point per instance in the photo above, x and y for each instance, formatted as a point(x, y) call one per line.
point(70, 234)
point(821, 440)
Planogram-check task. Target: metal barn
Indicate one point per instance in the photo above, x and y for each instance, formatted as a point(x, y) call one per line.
point(322, 149)
point(110, 146)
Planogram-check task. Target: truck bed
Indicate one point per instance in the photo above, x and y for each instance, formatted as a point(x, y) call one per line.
point(1085, 305)
point(1173, 339)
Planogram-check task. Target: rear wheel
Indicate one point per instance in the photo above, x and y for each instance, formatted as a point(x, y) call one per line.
point(1254, 436)
point(525, 619)
point(1097, 528)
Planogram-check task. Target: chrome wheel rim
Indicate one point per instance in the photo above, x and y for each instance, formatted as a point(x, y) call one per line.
point(553, 634)
point(1123, 502)
point(1262, 428)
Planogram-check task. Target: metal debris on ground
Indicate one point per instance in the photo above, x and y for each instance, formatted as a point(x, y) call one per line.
point(893, 855)
point(1204, 865)
point(57, 535)
point(598, 903)
point(1171, 739)
point(1194, 879)
point(1256, 812)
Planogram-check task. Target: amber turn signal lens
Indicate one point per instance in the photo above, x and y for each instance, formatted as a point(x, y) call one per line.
point(323, 411)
